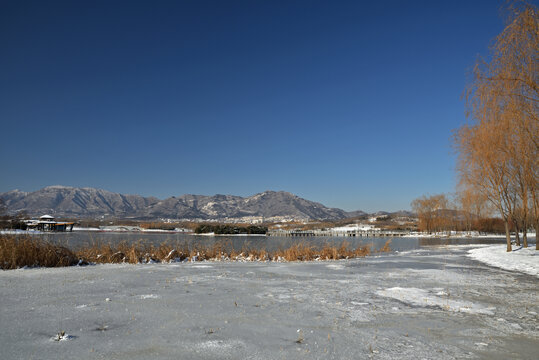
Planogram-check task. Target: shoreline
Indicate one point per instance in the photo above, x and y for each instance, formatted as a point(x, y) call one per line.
point(454, 235)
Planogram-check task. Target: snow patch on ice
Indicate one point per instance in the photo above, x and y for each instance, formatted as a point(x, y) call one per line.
point(358, 303)
point(516, 326)
point(414, 252)
point(335, 266)
point(421, 297)
point(359, 316)
point(149, 296)
point(461, 246)
point(524, 260)
point(219, 345)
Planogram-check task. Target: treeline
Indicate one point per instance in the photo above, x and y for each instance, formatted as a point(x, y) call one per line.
point(440, 213)
point(14, 222)
point(156, 225)
point(230, 229)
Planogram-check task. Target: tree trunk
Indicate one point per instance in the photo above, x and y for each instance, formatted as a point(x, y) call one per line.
point(517, 236)
point(508, 236)
point(525, 237)
point(536, 235)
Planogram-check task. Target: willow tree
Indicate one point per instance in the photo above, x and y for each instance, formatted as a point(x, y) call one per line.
point(473, 205)
point(429, 210)
point(484, 168)
point(499, 148)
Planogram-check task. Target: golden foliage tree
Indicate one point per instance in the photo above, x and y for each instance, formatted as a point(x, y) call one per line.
point(499, 149)
point(430, 211)
point(473, 205)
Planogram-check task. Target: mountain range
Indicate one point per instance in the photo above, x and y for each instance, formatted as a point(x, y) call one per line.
point(73, 202)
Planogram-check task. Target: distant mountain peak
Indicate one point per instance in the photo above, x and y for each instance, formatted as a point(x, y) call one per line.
point(14, 191)
point(66, 201)
point(58, 187)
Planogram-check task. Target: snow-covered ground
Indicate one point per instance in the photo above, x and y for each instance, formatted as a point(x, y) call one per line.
point(463, 234)
point(89, 229)
point(429, 303)
point(19, 232)
point(521, 259)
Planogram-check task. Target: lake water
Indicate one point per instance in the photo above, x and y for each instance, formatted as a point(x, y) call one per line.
point(77, 239)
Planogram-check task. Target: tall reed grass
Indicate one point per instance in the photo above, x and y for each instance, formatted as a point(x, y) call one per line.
point(21, 251)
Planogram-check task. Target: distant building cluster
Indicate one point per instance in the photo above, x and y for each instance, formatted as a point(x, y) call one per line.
point(245, 220)
point(378, 218)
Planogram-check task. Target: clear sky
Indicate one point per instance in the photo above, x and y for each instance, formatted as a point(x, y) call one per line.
point(348, 103)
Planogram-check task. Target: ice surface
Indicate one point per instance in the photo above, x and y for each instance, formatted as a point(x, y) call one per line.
point(438, 304)
point(421, 297)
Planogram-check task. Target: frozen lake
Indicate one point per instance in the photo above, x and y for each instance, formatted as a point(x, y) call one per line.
point(81, 238)
point(426, 303)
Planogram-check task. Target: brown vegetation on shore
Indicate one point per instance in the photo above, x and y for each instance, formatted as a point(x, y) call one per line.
point(21, 251)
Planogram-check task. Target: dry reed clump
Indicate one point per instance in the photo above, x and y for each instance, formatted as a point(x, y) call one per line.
point(386, 247)
point(18, 252)
point(136, 253)
point(304, 252)
point(21, 251)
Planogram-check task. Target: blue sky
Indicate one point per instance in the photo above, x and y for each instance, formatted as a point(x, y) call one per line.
point(349, 103)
